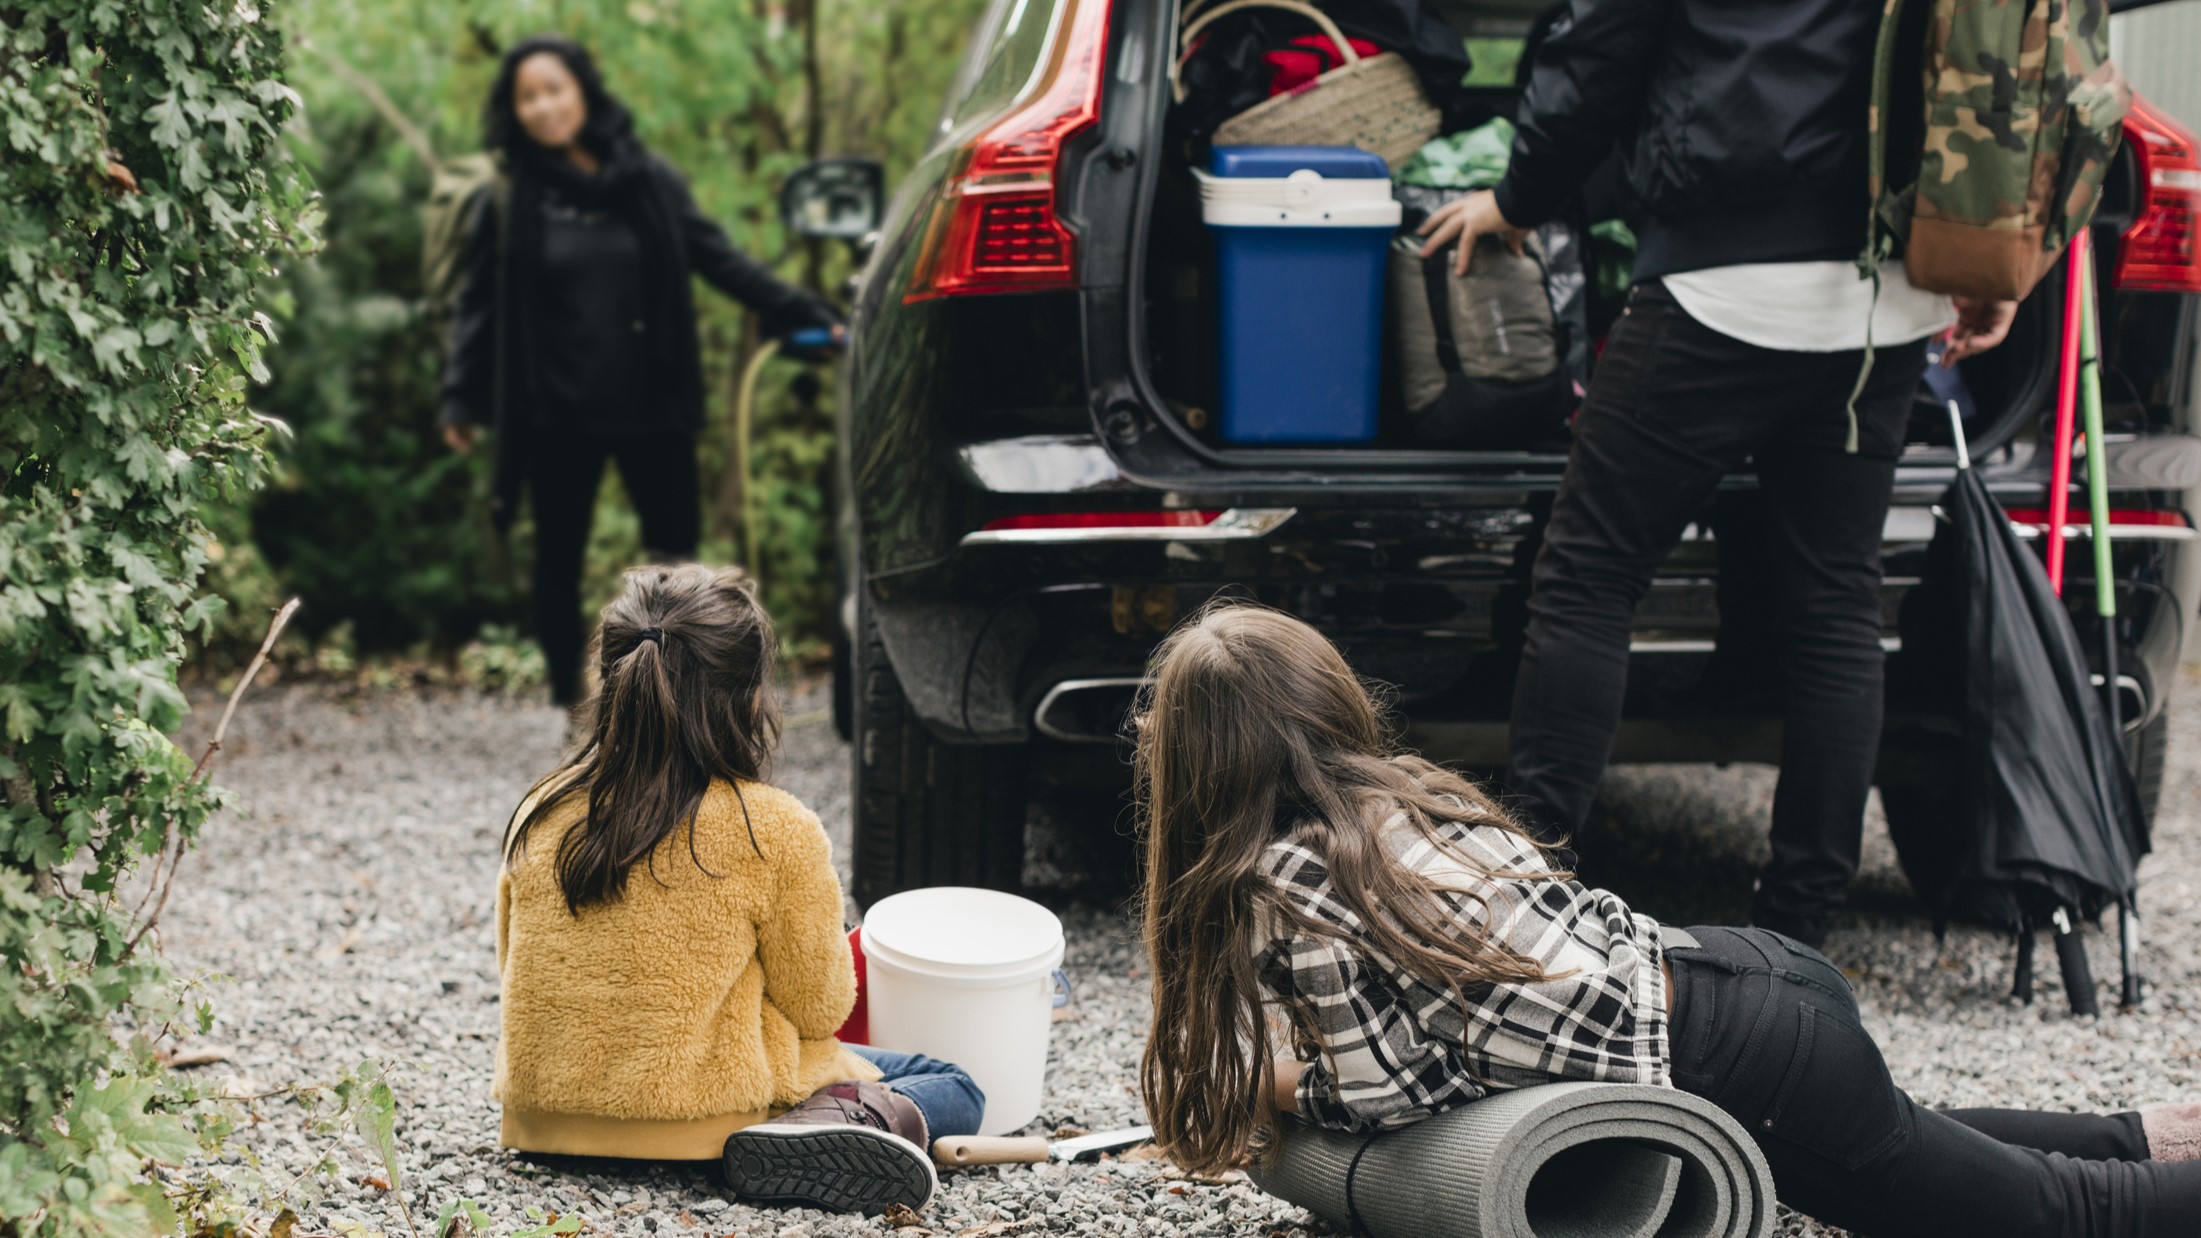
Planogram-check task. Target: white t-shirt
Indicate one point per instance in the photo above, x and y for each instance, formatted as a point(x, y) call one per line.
point(1810, 306)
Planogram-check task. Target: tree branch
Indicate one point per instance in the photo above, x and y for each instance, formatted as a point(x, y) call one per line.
point(378, 99)
point(162, 884)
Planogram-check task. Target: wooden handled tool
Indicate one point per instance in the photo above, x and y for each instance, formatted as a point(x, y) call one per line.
point(957, 1151)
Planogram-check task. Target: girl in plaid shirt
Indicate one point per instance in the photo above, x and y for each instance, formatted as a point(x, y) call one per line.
point(1309, 886)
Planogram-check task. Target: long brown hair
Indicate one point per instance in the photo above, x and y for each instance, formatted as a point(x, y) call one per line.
point(1254, 731)
point(684, 657)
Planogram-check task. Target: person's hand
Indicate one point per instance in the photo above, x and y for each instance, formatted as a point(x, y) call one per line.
point(1980, 325)
point(461, 436)
point(1465, 220)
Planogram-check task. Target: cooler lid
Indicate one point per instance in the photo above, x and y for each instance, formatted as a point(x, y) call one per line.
point(1330, 162)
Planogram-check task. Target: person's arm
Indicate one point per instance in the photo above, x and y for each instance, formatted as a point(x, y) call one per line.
point(504, 918)
point(469, 375)
point(713, 256)
point(1378, 1069)
point(809, 975)
point(1585, 91)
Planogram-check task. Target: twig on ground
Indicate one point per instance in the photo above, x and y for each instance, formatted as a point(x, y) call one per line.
point(172, 844)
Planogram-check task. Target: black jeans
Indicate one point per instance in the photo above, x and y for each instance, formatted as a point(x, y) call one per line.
point(1766, 1029)
point(1675, 407)
point(565, 468)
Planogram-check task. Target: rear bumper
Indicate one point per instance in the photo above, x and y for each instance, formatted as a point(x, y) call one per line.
point(1046, 633)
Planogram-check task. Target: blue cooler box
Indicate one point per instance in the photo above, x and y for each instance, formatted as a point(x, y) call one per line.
point(1301, 234)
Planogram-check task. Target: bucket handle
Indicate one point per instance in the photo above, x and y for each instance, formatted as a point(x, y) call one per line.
point(1060, 981)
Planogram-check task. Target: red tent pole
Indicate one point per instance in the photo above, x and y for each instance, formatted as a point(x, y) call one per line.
point(2067, 408)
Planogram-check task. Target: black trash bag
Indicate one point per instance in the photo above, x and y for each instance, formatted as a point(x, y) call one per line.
point(2045, 815)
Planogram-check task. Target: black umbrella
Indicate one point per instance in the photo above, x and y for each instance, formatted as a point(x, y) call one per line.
point(2046, 826)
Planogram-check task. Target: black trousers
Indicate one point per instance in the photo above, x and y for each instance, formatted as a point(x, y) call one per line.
point(564, 471)
point(1675, 407)
point(1766, 1028)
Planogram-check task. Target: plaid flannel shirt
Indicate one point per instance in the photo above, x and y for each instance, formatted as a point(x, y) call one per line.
point(1394, 1050)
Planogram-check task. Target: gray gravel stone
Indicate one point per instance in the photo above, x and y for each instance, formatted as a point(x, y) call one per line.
point(345, 909)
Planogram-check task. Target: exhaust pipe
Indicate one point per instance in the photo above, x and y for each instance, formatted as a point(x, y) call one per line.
point(1087, 711)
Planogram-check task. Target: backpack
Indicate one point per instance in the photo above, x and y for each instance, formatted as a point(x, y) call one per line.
point(2023, 110)
point(443, 219)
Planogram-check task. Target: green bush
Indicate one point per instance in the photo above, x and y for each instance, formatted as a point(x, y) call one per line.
point(143, 195)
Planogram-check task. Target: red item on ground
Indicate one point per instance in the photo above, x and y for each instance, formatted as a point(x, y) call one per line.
point(1308, 57)
point(857, 1030)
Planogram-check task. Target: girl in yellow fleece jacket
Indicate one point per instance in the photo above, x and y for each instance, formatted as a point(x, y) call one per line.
point(669, 934)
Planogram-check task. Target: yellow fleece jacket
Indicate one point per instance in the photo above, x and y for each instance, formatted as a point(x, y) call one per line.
point(702, 1001)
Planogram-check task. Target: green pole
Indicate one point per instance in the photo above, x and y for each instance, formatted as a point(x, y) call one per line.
point(2105, 583)
point(2097, 471)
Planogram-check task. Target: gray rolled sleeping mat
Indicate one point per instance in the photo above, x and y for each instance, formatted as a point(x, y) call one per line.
point(1562, 1160)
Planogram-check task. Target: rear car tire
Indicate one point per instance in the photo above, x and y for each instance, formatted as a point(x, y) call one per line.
point(926, 812)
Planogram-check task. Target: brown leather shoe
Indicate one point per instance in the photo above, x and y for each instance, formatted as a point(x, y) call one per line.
point(851, 1147)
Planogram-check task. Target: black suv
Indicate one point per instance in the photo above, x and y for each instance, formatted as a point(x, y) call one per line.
point(1029, 494)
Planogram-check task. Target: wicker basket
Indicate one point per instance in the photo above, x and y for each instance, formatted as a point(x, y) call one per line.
point(1372, 102)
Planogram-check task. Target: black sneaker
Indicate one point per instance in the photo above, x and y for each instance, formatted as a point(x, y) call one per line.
point(837, 1151)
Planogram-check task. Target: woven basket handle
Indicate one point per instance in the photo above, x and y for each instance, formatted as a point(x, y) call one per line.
point(1205, 19)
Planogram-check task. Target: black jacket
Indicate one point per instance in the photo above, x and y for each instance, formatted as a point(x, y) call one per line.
point(475, 392)
point(1740, 124)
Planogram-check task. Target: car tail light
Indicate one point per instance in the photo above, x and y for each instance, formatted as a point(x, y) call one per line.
point(2035, 519)
point(1104, 520)
point(2161, 251)
point(1230, 524)
point(995, 227)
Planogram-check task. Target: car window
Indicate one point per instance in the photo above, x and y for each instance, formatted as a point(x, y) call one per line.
point(1005, 55)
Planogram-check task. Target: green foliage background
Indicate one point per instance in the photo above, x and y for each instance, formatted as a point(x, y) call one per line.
point(378, 525)
point(144, 195)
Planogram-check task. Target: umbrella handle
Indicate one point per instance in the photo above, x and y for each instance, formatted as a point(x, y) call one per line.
point(1956, 432)
point(2021, 979)
point(2128, 943)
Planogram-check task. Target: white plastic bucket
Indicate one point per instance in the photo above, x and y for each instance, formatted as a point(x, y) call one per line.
point(967, 976)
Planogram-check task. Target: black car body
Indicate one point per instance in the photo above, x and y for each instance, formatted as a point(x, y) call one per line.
point(1026, 505)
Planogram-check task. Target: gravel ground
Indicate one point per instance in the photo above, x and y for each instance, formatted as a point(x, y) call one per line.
point(345, 909)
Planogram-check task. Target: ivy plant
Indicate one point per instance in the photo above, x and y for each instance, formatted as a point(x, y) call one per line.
point(143, 197)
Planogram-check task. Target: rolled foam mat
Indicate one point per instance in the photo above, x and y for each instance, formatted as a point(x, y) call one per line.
point(1563, 1160)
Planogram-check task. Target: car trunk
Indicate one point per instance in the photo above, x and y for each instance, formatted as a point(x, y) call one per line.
point(1173, 315)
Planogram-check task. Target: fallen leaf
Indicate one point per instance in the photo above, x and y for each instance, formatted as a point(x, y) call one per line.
point(351, 938)
point(285, 1221)
point(991, 1228)
point(124, 180)
point(1069, 1132)
point(204, 1055)
point(686, 1218)
point(376, 1181)
point(902, 1216)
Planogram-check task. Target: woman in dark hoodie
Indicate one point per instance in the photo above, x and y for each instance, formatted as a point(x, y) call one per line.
point(574, 336)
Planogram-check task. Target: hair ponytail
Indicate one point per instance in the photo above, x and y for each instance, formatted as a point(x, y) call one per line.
point(684, 658)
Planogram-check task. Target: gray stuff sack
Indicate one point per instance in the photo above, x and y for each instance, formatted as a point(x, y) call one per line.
point(1478, 356)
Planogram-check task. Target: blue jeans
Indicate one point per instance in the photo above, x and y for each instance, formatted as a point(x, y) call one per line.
point(951, 1103)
